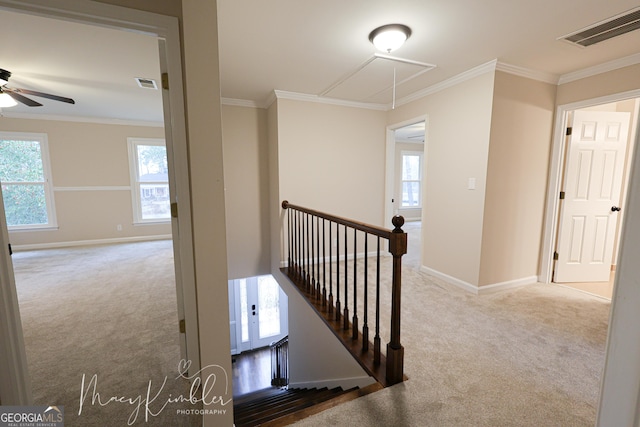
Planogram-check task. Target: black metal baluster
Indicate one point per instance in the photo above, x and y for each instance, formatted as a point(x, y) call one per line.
point(297, 238)
point(365, 326)
point(306, 258)
point(354, 320)
point(324, 265)
point(318, 292)
point(289, 240)
point(338, 314)
point(312, 260)
point(346, 281)
point(330, 269)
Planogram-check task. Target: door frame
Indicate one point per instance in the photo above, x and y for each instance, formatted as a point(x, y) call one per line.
point(556, 168)
point(389, 189)
point(14, 378)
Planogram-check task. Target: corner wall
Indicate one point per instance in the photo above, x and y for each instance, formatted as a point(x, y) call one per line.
point(456, 149)
point(518, 166)
point(246, 178)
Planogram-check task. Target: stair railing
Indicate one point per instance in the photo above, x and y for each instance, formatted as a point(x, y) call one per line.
point(310, 262)
point(280, 362)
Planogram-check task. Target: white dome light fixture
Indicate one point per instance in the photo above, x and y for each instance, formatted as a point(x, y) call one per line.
point(389, 37)
point(6, 101)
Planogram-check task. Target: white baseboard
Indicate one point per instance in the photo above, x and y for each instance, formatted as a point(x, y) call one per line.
point(482, 289)
point(36, 246)
point(451, 280)
point(516, 283)
point(345, 383)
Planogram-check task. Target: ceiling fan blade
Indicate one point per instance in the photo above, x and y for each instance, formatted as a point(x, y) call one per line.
point(23, 99)
point(46, 95)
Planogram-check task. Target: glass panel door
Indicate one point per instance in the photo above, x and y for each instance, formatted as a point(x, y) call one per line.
point(259, 316)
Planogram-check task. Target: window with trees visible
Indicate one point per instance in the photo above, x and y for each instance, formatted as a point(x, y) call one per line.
point(25, 175)
point(411, 179)
point(149, 180)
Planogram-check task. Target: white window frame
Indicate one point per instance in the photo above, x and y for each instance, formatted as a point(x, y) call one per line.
point(41, 138)
point(420, 155)
point(136, 203)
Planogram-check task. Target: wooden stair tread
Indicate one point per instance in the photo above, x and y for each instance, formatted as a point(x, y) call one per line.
point(269, 408)
point(307, 412)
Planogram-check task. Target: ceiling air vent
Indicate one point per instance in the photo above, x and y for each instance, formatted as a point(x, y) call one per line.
point(605, 30)
point(147, 83)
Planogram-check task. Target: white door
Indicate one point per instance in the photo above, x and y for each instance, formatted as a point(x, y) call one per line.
point(257, 313)
point(592, 186)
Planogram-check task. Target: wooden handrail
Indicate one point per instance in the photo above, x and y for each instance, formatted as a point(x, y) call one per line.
point(367, 228)
point(307, 267)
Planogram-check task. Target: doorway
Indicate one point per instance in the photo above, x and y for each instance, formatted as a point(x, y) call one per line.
point(257, 313)
point(405, 172)
point(591, 161)
point(258, 317)
point(167, 35)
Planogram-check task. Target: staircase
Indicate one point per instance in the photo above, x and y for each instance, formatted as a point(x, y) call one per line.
point(329, 263)
point(280, 407)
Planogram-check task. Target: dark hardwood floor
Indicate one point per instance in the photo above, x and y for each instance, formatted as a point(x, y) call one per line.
point(251, 371)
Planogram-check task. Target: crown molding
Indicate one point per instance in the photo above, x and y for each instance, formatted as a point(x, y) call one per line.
point(599, 69)
point(490, 66)
point(453, 81)
point(79, 119)
point(527, 73)
point(281, 94)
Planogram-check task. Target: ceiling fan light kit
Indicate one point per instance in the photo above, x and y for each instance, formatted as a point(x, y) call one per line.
point(15, 94)
point(6, 101)
point(388, 38)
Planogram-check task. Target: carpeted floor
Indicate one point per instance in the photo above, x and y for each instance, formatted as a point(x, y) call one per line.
point(106, 312)
point(530, 356)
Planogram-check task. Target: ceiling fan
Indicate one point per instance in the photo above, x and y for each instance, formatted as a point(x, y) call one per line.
point(17, 94)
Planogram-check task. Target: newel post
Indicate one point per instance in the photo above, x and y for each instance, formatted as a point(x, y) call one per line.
point(395, 351)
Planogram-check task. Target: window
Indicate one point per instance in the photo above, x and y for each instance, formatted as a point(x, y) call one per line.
point(25, 174)
point(149, 180)
point(411, 179)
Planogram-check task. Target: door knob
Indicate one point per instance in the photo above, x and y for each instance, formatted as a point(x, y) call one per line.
point(615, 209)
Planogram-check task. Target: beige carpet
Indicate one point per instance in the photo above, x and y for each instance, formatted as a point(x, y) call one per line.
point(531, 356)
point(108, 311)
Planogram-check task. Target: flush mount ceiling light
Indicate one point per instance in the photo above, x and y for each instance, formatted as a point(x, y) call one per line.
point(389, 37)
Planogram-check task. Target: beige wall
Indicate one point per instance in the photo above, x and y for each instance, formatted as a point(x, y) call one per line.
point(521, 128)
point(331, 158)
point(86, 158)
point(616, 81)
point(457, 149)
point(246, 178)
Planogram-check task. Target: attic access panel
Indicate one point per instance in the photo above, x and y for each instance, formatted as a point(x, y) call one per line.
point(373, 81)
